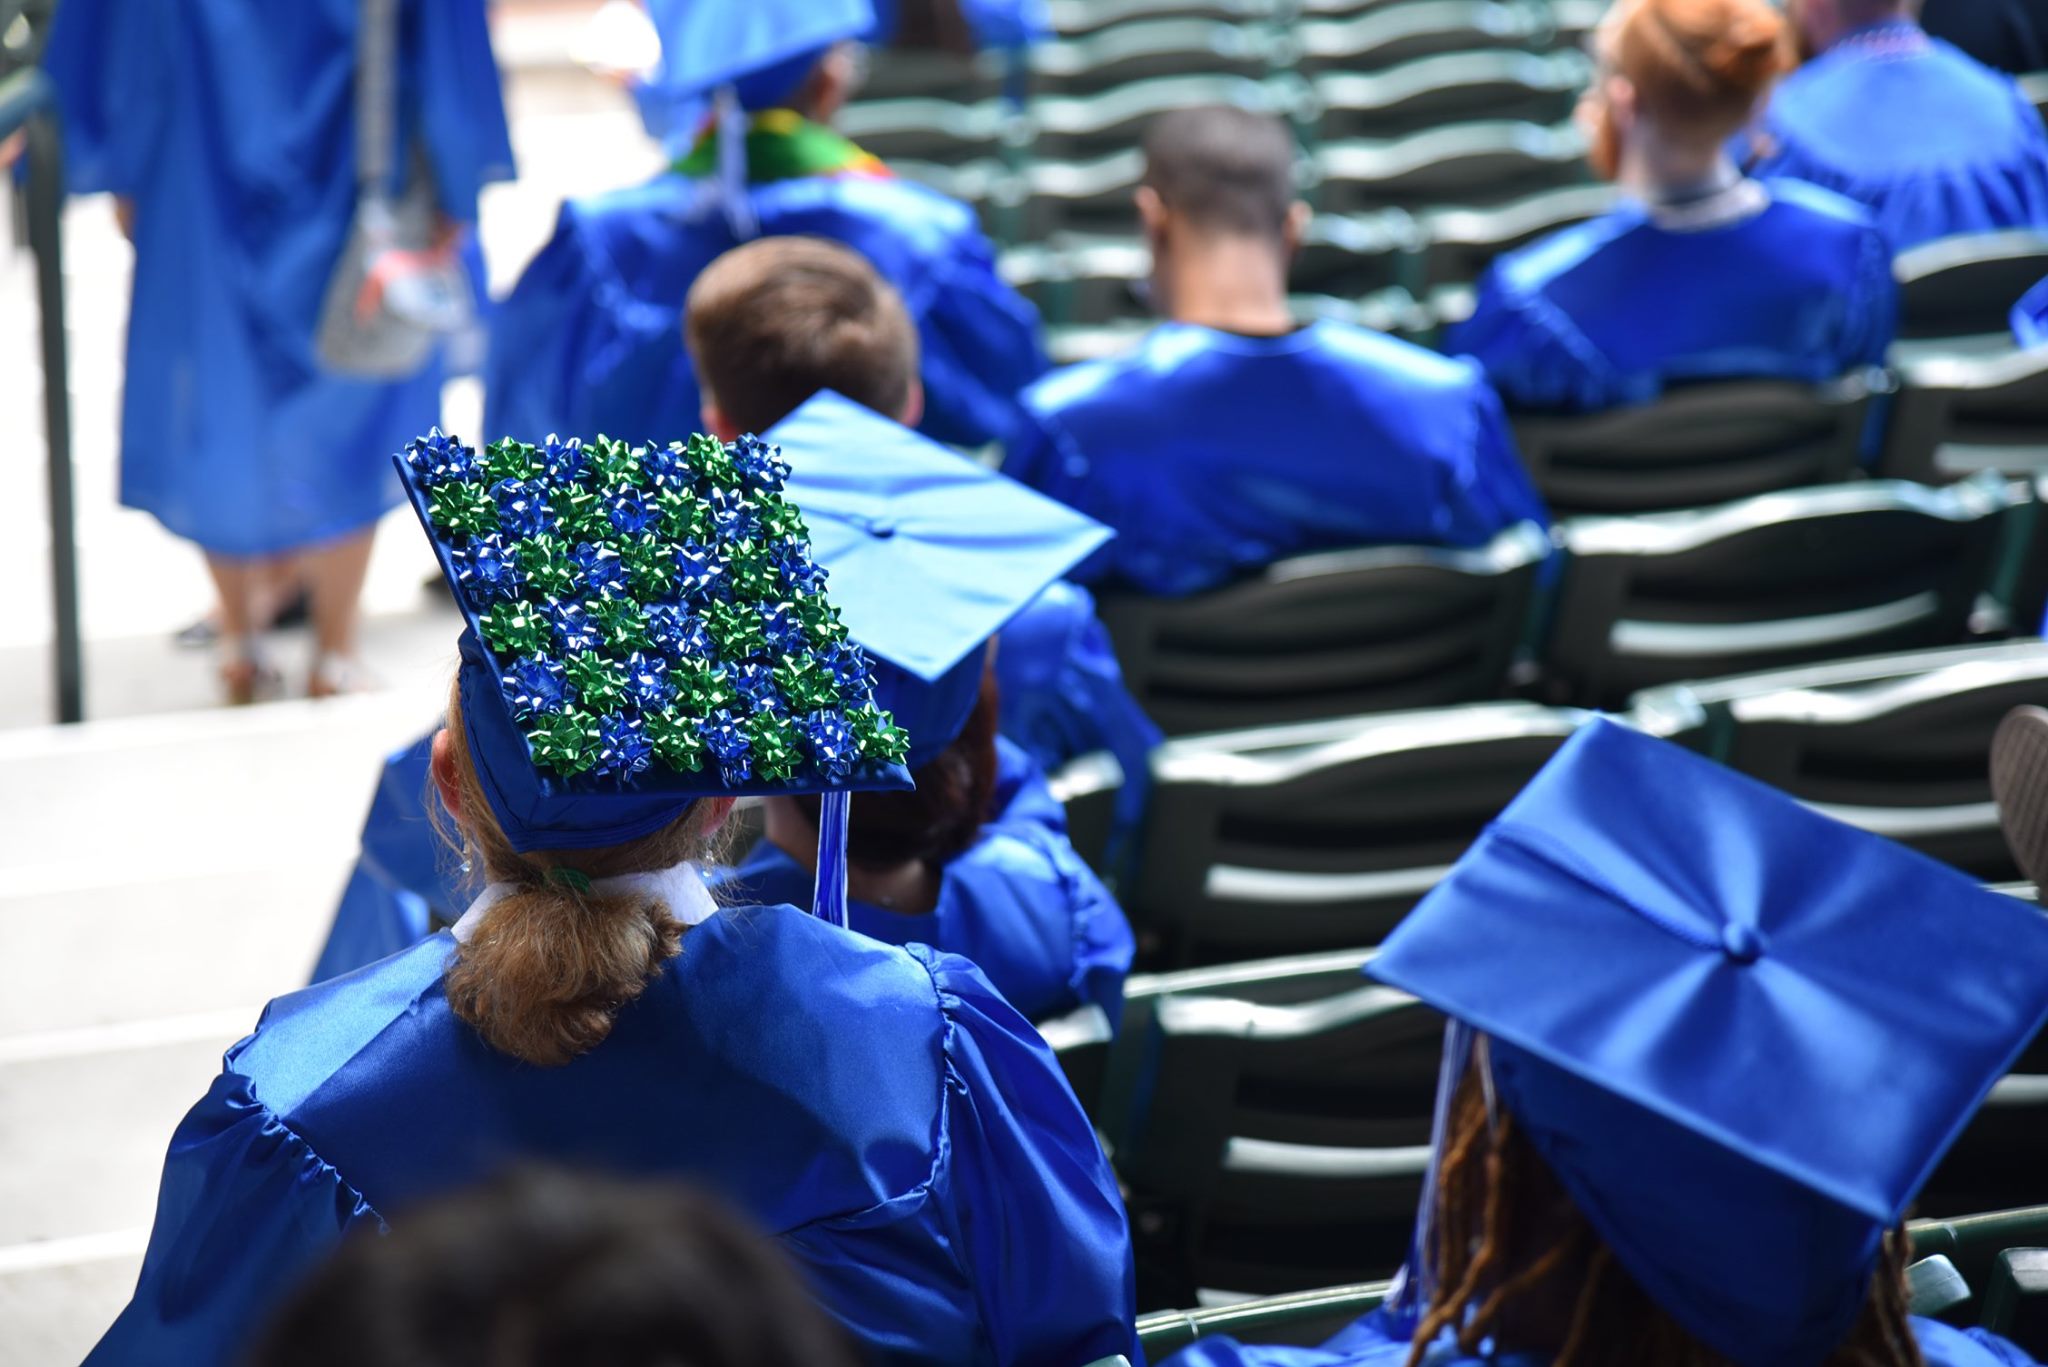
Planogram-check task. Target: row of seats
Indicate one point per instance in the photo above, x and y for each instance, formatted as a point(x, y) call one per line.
point(1597, 610)
point(1291, 839)
point(1988, 1269)
point(1148, 47)
point(1475, 164)
point(1427, 91)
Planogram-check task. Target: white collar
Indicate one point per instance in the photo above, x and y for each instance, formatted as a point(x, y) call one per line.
point(680, 888)
point(1719, 208)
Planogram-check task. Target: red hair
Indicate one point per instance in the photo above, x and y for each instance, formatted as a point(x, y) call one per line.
point(1700, 62)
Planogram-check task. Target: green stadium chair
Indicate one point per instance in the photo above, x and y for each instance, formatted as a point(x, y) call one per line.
point(2016, 1301)
point(1317, 835)
point(1955, 415)
point(1973, 1242)
point(1934, 1287)
point(1331, 634)
point(1404, 32)
point(1463, 242)
point(1074, 18)
point(1356, 254)
point(1466, 163)
point(1392, 310)
point(1302, 1318)
point(1699, 445)
point(1052, 197)
point(1782, 579)
point(1079, 279)
point(1092, 342)
point(1078, 126)
point(1271, 1147)
point(1148, 48)
point(1896, 744)
point(1966, 286)
point(1455, 86)
point(2035, 85)
point(899, 74)
point(934, 130)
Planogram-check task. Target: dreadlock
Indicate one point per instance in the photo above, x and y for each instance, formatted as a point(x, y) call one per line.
point(1505, 1229)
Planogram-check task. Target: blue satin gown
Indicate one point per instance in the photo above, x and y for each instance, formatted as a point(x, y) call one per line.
point(897, 1128)
point(1018, 903)
point(591, 338)
point(231, 124)
point(1932, 142)
point(1213, 454)
point(1371, 1342)
point(1062, 696)
point(1764, 280)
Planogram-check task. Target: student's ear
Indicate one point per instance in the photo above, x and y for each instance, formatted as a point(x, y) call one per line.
point(1152, 213)
point(442, 765)
point(715, 421)
point(913, 404)
point(717, 810)
point(1295, 228)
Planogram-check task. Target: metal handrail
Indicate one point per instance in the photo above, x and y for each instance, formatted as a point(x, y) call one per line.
point(28, 104)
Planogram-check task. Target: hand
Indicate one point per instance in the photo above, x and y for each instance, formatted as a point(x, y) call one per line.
point(10, 148)
point(124, 214)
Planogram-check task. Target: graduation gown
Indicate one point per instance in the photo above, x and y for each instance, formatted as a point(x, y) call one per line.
point(1062, 696)
point(1764, 280)
point(1932, 142)
point(1018, 903)
point(899, 1130)
point(591, 338)
point(231, 124)
point(1213, 454)
point(1371, 1342)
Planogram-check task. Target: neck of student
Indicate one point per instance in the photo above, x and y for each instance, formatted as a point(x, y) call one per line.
point(1230, 283)
point(1663, 170)
point(910, 888)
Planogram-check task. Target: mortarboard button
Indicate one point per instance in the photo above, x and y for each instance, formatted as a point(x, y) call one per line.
point(1742, 943)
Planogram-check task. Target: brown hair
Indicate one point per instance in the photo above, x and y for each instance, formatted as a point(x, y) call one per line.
point(774, 321)
point(944, 814)
point(548, 967)
point(1508, 1236)
point(1222, 168)
point(1703, 63)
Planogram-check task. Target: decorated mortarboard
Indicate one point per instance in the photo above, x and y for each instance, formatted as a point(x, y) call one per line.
point(930, 554)
point(1741, 1033)
point(760, 49)
point(645, 626)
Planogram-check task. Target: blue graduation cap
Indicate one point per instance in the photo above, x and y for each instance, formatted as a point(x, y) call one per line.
point(644, 626)
point(1741, 1033)
point(761, 49)
point(930, 554)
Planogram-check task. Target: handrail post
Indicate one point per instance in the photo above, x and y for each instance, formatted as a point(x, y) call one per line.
point(45, 200)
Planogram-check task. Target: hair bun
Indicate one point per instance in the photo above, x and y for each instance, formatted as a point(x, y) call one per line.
point(1749, 52)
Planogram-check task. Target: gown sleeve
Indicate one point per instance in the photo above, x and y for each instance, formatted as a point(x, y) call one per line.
point(1034, 1212)
point(454, 85)
point(246, 1207)
point(106, 59)
point(1534, 356)
point(1485, 489)
point(981, 348)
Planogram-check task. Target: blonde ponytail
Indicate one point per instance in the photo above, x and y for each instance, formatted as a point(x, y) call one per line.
point(549, 966)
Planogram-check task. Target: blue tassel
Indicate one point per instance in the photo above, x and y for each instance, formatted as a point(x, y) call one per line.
point(828, 903)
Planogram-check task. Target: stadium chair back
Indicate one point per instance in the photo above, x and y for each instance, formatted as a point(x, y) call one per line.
point(1144, 49)
point(1387, 36)
point(1966, 286)
point(1319, 835)
point(1330, 635)
point(1355, 254)
point(1896, 744)
point(1463, 242)
point(1073, 127)
point(1076, 18)
point(1077, 279)
point(1277, 1133)
point(1464, 163)
point(1955, 415)
point(1302, 1318)
point(1698, 445)
point(1450, 88)
point(1766, 582)
point(924, 129)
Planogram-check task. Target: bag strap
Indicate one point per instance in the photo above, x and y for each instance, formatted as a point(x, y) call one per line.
point(376, 95)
